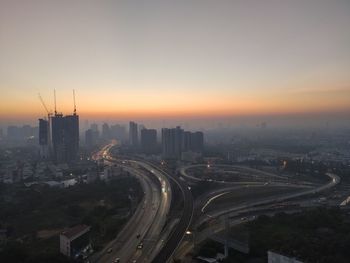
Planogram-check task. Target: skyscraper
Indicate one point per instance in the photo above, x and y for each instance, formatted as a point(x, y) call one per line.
point(65, 137)
point(133, 134)
point(148, 140)
point(44, 138)
point(57, 124)
point(172, 142)
point(71, 137)
point(106, 133)
point(91, 138)
point(176, 140)
point(118, 132)
point(197, 141)
point(94, 127)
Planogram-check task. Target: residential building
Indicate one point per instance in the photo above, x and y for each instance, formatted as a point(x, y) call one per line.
point(74, 240)
point(149, 140)
point(133, 134)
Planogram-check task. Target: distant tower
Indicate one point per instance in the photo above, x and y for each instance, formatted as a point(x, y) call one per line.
point(106, 133)
point(172, 142)
point(44, 138)
point(133, 134)
point(148, 140)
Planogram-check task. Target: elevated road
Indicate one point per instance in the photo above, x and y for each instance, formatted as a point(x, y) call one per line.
point(176, 236)
point(125, 244)
point(139, 239)
point(252, 206)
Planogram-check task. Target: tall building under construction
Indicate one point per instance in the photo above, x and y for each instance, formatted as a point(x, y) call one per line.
point(64, 135)
point(65, 138)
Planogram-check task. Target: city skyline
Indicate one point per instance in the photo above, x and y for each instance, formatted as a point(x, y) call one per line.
point(162, 59)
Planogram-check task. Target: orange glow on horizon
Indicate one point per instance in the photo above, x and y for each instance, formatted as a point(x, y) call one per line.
point(173, 103)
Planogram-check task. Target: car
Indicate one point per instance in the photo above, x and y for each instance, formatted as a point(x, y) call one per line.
point(140, 245)
point(117, 260)
point(138, 236)
point(109, 250)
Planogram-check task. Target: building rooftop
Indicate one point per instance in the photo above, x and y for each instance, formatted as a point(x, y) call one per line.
point(75, 231)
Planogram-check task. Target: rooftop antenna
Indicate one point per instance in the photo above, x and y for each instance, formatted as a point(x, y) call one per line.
point(54, 95)
point(75, 108)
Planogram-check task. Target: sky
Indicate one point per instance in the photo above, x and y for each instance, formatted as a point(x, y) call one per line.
point(159, 59)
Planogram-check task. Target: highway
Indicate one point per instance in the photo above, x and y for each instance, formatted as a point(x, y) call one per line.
point(248, 207)
point(146, 224)
point(333, 182)
point(153, 239)
point(177, 235)
point(187, 246)
point(125, 245)
point(273, 178)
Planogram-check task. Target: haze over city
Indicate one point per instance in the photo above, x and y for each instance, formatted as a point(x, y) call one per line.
point(185, 59)
point(159, 131)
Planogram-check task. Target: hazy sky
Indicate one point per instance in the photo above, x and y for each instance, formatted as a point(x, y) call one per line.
point(160, 58)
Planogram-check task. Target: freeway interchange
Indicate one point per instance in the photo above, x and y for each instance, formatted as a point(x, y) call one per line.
point(154, 234)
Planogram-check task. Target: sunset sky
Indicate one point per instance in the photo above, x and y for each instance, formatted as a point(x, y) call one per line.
point(174, 58)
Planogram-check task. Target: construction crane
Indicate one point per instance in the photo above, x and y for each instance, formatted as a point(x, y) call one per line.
point(54, 97)
point(75, 107)
point(49, 114)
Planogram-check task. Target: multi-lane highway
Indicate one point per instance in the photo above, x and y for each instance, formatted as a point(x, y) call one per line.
point(125, 245)
point(147, 237)
point(179, 232)
point(333, 182)
point(139, 239)
point(250, 207)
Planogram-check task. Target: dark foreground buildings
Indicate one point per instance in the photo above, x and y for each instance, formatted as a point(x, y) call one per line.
point(74, 240)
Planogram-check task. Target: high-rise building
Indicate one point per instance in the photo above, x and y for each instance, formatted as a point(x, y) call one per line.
point(133, 134)
point(15, 133)
point(176, 141)
point(197, 142)
point(148, 140)
point(172, 142)
point(94, 127)
point(71, 137)
point(91, 138)
point(57, 124)
point(186, 143)
point(106, 133)
point(118, 132)
point(44, 130)
point(65, 137)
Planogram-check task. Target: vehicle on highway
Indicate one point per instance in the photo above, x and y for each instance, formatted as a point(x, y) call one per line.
point(138, 236)
point(140, 245)
point(109, 250)
point(117, 260)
